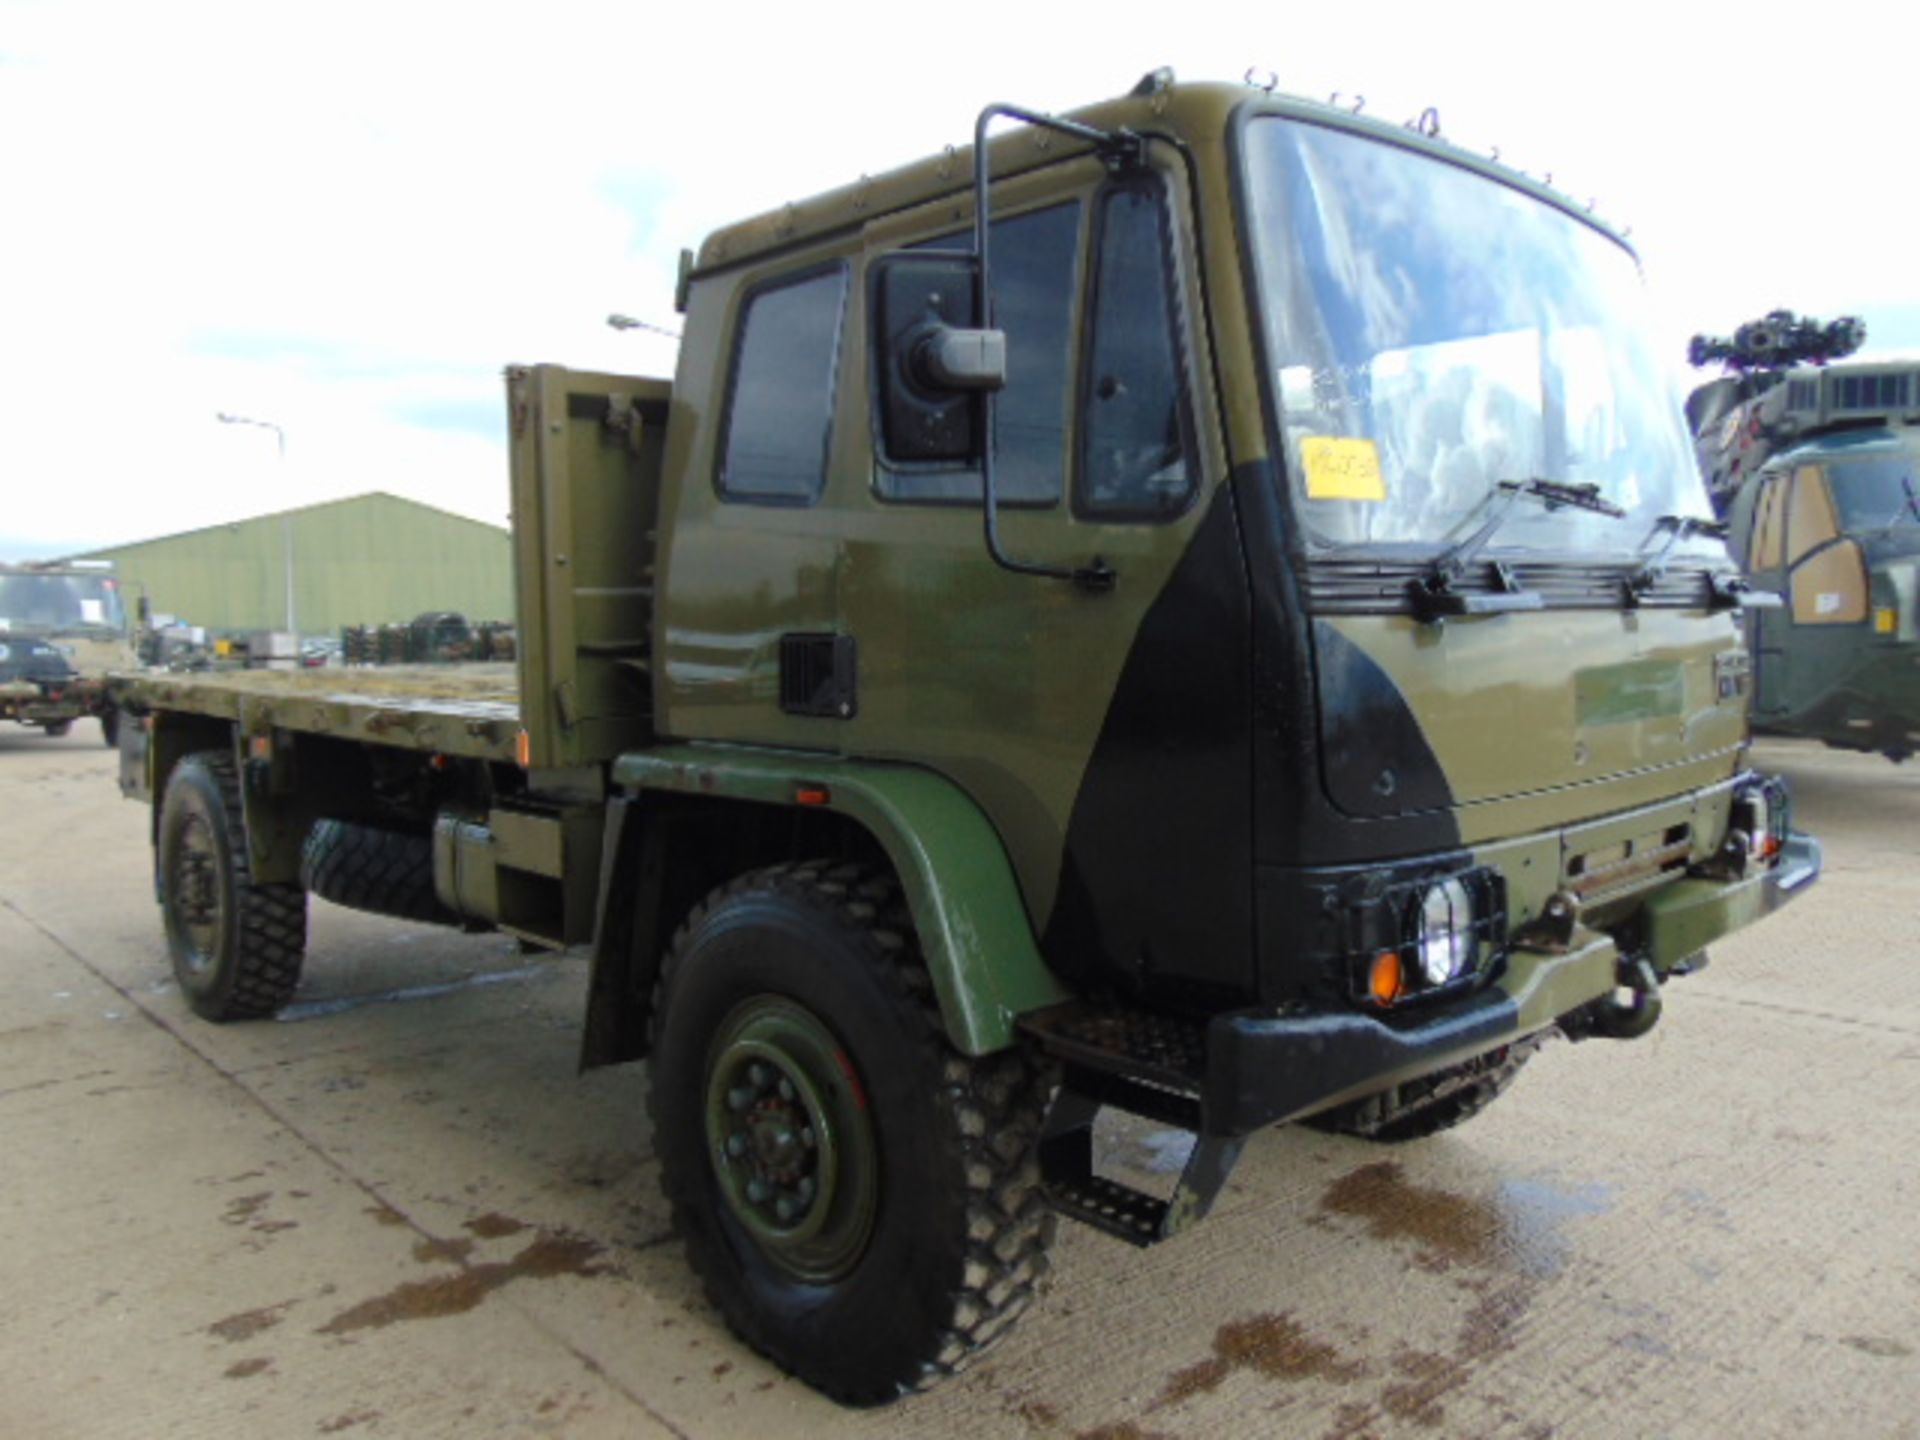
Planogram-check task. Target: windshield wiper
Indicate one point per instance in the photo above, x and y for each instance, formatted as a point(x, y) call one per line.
point(1679, 528)
point(1433, 593)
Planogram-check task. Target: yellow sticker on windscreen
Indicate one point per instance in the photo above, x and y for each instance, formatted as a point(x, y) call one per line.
point(1342, 469)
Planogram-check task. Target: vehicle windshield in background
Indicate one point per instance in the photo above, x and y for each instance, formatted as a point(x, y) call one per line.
point(44, 603)
point(1434, 332)
point(1876, 492)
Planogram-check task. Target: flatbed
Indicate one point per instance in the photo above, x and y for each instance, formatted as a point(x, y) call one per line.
point(472, 711)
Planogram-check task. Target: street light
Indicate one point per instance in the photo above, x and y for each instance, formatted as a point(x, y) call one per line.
point(627, 322)
point(280, 437)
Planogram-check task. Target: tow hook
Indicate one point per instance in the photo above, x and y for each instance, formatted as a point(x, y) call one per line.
point(1629, 1019)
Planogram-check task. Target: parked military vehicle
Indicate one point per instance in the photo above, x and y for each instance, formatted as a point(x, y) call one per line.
point(1219, 632)
point(62, 629)
point(1815, 467)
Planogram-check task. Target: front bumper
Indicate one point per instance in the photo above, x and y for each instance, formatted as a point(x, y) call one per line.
point(1263, 1068)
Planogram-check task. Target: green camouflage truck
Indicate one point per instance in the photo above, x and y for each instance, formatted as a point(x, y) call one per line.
point(62, 631)
point(1816, 468)
point(1211, 634)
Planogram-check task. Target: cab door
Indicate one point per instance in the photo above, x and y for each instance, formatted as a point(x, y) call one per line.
point(1069, 710)
point(1799, 552)
point(1764, 557)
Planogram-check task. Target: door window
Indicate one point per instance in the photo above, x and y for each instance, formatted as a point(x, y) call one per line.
point(1034, 277)
point(1136, 446)
point(780, 411)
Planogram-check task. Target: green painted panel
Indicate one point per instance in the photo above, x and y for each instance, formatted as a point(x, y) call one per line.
point(966, 906)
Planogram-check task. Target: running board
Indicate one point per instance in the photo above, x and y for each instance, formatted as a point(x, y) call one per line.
point(1148, 1066)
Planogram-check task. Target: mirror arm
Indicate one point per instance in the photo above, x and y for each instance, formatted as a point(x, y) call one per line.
point(1122, 149)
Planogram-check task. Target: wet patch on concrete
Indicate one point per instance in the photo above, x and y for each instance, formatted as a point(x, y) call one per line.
point(493, 1226)
point(249, 1323)
point(385, 1214)
point(348, 1421)
point(1450, 1228)
point(1519, 1228)
point(246, 1211)
point(246, 1369)
point(549, 1255)
point(1276, 1347)
point(451, 1252)
point(1122, 1430)
point(1877, 1346)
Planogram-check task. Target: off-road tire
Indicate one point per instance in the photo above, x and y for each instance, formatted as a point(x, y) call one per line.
point(960, 1227)
point(1430, 1104)
point(237, 944)
point(388, 872)
point(110, 726)
point(56, 728)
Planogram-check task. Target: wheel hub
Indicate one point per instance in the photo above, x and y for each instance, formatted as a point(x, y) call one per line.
point(792, 1146)
point(196, 888)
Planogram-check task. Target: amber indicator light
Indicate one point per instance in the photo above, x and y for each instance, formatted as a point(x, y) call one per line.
point(1385, 982)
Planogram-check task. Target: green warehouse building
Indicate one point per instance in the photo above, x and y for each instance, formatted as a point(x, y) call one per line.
point(365, 560)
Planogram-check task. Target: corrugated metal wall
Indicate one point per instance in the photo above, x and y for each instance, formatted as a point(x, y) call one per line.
point(361, 561)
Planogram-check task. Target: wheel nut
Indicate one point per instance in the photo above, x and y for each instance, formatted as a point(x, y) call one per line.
point(805, 1190)
point(739, 1099)
point(758, 1191)
point(736, 1145)
point(807, 1138)
point(786, 1089)
point(757, 1076)
point(783, 1207)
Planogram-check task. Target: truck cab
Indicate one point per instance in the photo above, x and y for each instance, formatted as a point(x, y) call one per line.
point(1819, 468)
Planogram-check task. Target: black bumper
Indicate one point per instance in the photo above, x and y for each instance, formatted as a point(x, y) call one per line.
point(1263, 1068)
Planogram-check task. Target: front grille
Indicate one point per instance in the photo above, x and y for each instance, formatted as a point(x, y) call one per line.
point(1384, 587)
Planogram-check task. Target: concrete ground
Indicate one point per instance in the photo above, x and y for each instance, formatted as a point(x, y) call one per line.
point(398, 1211)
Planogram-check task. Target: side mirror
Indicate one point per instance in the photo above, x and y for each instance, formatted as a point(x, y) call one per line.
point(935, 368)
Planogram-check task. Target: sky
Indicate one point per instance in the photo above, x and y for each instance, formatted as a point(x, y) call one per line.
point(348, 219)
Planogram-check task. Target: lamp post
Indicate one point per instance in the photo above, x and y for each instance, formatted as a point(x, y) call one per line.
point(286, 518)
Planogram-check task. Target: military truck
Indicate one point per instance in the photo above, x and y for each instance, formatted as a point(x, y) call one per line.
point(62, 630)
point(1189, 609)
point(1814, 465)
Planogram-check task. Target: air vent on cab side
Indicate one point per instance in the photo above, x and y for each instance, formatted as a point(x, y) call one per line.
point(818, 676)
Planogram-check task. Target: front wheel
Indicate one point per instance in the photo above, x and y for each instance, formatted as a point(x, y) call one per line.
point(237, 943)
point(862, 1202)
point(56, 728)
point(110, 726)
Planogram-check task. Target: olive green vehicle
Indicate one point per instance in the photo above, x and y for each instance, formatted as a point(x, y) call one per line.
point(62, 631)
point(1213, 652)
point(1817, 469)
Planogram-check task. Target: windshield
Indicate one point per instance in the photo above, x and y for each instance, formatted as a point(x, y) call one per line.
point(1434, 333)
point(1875, 492)
point(50, 602)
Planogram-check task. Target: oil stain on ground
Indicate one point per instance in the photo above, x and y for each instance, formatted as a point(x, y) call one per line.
point(1509, 1244)
point(249, 1323)
point(1276, 1347)
point(546, 1256)
point(1519, 1228)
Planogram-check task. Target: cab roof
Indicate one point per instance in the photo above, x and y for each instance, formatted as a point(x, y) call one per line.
point(1196, 115)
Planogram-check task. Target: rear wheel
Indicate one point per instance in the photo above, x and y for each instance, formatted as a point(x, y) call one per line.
point(236, 944)
point(862, 1202)
point(56, 728)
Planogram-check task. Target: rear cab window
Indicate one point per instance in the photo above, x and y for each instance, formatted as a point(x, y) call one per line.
point(780, 403)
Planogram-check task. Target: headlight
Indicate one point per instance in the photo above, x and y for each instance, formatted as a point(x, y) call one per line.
point(1444, 945)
